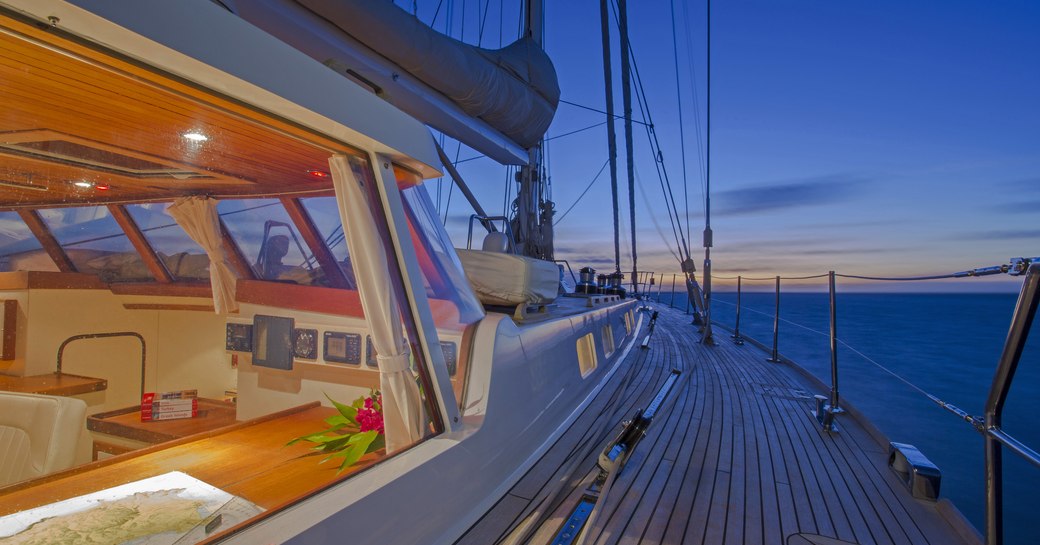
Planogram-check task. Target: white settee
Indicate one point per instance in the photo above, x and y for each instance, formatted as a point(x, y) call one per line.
point(39, 434)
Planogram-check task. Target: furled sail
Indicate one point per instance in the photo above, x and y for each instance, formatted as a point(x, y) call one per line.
point(514, 90)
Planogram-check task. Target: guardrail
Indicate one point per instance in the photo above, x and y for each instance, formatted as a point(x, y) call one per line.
point(990, 424)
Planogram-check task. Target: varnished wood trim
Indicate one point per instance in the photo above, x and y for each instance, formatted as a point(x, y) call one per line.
point(107, 448)
point(304, 223)
point(149, 306)
point(156, 448)
point(50, 244)
point(152, 261)
point(53, 384)
point(164, 290)
point(10, 333)
point(307, 298)
point(44, 280)
point(235, 255)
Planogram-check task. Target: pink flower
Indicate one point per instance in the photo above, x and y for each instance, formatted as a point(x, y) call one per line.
point(370, 417)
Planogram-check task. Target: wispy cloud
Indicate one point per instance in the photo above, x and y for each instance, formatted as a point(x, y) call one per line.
point(1019, 207)
point(789, 194)
point(1001, 234)
point(1031, 185)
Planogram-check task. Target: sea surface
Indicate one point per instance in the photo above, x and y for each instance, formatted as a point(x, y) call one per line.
point(945, 344)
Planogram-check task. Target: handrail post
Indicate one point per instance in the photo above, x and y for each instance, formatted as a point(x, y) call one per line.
point(835, 408)
point(737, 339)
point(671, 301)
point(775, 357)
point(659, 286)
point(826, 409)
point(1025, 312)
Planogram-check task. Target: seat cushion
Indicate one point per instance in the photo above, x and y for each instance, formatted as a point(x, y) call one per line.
point(510, 280)
point(51, 426)
point(14, 455)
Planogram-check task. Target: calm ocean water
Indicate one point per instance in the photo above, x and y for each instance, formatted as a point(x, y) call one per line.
point(948, 345)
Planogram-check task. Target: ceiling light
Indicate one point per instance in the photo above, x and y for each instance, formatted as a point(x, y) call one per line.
point(82, 183)
point(196, 136)
point(318, 173)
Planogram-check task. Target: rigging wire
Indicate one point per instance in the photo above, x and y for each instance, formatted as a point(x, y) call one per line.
point(483, 20)
point(655, 148)
point(662, 171)
point(653, 218)
point(598, 111)
point(590, 127)
point(696, 105)
point(682, 132)
point(587, 188)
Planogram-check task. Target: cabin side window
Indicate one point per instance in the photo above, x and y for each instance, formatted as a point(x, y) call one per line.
point(454, 306)
point(95, 243)
point(270, 241)
point(183, 258)
point(20, 250)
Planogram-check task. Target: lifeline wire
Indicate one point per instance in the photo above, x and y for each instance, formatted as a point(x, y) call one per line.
point(931, 397)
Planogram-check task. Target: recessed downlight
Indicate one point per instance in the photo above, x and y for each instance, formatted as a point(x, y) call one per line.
point(195, 136)
point(318, 173)
point(82, 183)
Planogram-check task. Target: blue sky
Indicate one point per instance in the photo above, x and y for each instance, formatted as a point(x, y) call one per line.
point(877, 138)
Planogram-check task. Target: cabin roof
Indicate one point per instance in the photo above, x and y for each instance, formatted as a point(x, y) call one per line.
point(81, 114)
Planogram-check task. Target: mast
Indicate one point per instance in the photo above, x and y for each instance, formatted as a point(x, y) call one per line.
point(626, 94)
point(532, 225)
point(608, 83)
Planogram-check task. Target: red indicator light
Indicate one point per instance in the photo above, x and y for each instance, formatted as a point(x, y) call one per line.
point(318, 173)
point(102, 187)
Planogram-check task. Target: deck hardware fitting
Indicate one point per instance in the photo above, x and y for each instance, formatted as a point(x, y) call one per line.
point(917, 472)
point(824, 414)
point(653, 322)
point(611, 462)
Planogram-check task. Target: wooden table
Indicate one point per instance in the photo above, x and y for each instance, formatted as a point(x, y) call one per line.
point(121, 430)
point(249, 459)
point(54, 384)
point(212, 414)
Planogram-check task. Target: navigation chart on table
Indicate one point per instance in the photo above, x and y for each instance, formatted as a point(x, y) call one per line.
point(169, 509)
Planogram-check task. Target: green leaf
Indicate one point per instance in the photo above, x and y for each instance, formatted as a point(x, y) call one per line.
point(338, 421)
point(378, 443)
point(351, 455)
point(350, 413)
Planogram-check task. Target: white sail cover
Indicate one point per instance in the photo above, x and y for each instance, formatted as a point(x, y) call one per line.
point(513, 89)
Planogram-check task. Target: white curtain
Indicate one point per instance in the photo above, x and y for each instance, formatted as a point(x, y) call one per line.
point(402, 406)
point(198, 217)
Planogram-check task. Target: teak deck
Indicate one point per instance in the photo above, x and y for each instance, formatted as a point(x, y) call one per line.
point(735, 457)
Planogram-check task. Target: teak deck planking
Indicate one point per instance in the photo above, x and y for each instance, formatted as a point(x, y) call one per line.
point(735, 457)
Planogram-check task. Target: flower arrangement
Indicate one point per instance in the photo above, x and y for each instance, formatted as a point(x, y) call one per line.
point(354, 432)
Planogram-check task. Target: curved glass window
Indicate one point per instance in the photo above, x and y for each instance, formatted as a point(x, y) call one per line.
point(95, 243)
point(442, 271)
point(268, 238)
point(19, 249)
point(324, 214)
point(185, 259)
